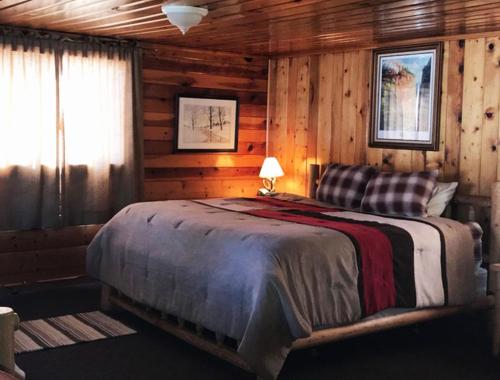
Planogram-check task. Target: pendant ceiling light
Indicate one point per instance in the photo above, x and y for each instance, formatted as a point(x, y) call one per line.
point(183, 16)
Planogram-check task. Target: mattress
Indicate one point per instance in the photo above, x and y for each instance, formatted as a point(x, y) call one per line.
point(267, 272)
point(480, 290)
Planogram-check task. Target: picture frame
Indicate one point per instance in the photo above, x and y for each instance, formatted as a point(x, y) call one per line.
point(206, 124)
point(406, 93)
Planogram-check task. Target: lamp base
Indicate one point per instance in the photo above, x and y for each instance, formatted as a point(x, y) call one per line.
point(264, 193)
point(269, 184)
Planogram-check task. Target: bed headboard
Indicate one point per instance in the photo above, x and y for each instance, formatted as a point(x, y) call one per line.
point(464, 208)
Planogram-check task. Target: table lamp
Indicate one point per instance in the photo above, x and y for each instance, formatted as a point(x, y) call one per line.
point(270, 170)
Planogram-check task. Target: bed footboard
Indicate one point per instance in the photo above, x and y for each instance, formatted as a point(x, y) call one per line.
point(226, 348)
point(196, 335)
point(105, 298)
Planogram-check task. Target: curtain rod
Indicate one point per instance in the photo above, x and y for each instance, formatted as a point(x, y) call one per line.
point(11, 31)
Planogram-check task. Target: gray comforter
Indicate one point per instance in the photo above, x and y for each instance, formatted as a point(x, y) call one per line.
point(261, 281)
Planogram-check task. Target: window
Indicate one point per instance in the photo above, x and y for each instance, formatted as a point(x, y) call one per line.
point(88, 94)
point(28, 118)
point(67, 127)
point(93, 122)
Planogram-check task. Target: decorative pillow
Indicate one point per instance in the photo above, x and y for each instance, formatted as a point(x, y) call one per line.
point(344, 185)
point(399, 193)
point(441, 197)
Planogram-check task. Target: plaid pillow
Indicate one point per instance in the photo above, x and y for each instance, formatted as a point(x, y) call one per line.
point(399, 193)
point(344, 185)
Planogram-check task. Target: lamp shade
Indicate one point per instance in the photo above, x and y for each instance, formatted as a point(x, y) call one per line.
point(271, 168)
point(183, 16)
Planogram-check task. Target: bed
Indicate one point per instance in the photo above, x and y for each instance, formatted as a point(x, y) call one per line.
point(251, 279)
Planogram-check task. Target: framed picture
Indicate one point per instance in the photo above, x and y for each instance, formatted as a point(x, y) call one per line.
point(206, 124)
point(406, 95)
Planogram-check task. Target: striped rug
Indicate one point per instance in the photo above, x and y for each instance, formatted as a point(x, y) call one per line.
point(67, 330)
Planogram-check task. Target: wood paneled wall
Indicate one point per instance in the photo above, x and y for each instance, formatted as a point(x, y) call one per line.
point(320, 112)
point(27, 256)
point(170, 71)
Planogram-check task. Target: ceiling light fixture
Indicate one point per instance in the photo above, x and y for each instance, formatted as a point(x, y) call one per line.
point(183, 16)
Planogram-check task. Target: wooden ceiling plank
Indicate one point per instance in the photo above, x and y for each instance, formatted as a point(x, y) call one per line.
point(205, 27)
point(296, 33)
point(319, 10)
point(262, 26)
point(98, 17)
point(327, 20)
point(119, 11)
point(174, 30)
point(129, 24)
point(25, 8)
point(202, 31)
point(347, 2)
point(51, 10)
point(11, 4)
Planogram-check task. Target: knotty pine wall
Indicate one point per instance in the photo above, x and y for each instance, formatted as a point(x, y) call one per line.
point(320, 113)
point(169, 71)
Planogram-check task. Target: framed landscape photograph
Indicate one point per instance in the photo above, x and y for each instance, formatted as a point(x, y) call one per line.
point(206, 124)
point(406, 95)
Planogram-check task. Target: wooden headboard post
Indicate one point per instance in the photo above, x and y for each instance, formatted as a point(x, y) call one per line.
point(472, 208)
point(314, 176)
point(315, 173)
point(494, 251)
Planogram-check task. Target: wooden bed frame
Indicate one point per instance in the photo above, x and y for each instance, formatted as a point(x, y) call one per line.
point(482, 209)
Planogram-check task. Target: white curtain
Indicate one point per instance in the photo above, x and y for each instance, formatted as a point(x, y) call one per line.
point(97, 103)
point(68, 136)
point(28, 138)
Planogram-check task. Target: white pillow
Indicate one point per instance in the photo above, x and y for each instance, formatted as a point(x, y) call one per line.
point(441, 196)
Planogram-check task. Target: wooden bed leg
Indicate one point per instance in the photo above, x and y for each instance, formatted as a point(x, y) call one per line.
point(199, 329)
point(180, 322)
point(495, 272)
point(105, 302)
point(219, 338)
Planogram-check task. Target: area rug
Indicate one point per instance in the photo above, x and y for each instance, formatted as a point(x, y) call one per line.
point(66, 330)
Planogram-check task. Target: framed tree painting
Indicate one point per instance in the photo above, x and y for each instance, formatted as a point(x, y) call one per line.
point(406, 95)
point(206, 124)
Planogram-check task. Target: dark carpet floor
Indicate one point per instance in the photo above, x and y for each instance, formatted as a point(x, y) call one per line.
point(453, 348)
